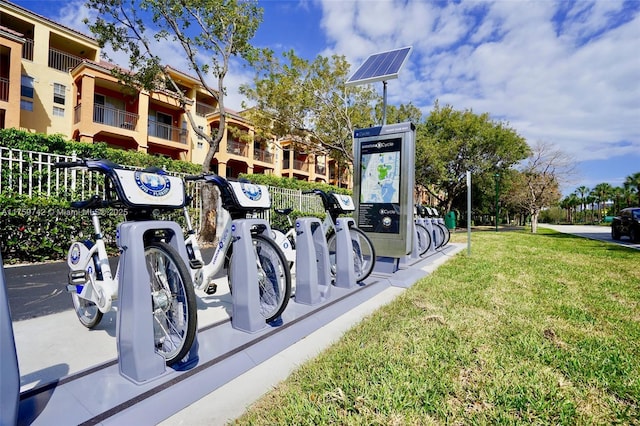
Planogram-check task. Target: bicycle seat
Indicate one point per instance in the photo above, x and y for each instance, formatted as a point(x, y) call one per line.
point(285, 212)
point(240, 197)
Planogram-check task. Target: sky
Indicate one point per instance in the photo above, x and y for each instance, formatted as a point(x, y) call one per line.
point(566, 73)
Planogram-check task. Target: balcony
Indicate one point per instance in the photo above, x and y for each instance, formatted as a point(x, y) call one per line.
point(262, 155)
point(27, 50)
point(111, 117)
point(62, 61)
point(167, 132)
point(203, 109)
point(237, 148)
point(4, 89)
point(300, 165)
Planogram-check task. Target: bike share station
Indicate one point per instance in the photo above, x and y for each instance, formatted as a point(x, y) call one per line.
point(138, 388)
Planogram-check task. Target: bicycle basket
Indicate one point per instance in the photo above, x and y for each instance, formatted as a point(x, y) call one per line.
point(345, 202)
point(251, 196)
point(139, 189)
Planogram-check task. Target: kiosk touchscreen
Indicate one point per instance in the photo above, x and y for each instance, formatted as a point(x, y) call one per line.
point(384, 170)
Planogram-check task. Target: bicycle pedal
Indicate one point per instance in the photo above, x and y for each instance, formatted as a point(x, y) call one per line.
point(195, 263)
point(211, 288)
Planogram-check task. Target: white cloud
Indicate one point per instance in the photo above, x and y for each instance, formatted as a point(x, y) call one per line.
point(570, 81)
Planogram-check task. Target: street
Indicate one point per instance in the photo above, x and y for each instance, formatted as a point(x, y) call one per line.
point(594, 232)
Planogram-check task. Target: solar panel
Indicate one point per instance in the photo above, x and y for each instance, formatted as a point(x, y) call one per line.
point(380, 67)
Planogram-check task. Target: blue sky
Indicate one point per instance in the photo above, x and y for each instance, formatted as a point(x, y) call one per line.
point(566, 72)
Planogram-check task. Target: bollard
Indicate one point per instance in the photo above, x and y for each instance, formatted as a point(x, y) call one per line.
point(245, 312)
point(313, 282)
point(345, 267)
point(137, 358)
point(9, 371)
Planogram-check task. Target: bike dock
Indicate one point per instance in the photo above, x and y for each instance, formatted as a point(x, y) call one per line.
point(71, 375)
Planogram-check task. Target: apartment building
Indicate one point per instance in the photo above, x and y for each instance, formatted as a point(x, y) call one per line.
point(52, 80)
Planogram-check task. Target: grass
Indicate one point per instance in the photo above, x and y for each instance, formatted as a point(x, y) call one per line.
point(532, 328)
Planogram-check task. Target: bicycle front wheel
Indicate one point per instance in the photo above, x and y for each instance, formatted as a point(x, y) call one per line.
point(87, 311)
point(274, 278)
point(173, 302)
point(364, 255)
point(424, 239)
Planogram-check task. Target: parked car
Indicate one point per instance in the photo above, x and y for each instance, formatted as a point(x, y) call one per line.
point(627, 223)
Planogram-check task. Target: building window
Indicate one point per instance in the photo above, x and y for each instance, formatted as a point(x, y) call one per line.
point(58, 93)
point(26, 87)
point(58, 112)
point(202, 130)
point(26, 105)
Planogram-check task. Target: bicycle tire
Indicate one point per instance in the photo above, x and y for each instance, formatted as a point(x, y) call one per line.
point(274, 277)
point(173, 301)
point(438, 236)
point(88, 313)
point(363, 252)
point(424, 239)
point(447, 234)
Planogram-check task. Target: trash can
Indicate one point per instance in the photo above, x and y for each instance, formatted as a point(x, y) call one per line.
point(450, 220)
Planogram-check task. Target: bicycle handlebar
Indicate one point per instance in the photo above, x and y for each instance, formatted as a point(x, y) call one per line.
point(69, 164)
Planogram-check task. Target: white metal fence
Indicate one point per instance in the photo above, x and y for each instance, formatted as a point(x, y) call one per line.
point(32, 173)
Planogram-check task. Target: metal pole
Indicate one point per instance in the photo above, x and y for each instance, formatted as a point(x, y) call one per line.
point(497, 176)
point(468, 213)
point(384, 103)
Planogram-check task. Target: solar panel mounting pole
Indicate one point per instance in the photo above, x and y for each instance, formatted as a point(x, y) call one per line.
point(380, 67)
point(384, 102)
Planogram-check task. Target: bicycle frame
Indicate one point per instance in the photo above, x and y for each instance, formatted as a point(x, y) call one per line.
point(104, 288)
point(203, 273)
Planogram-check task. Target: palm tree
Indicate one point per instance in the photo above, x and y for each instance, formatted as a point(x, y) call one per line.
point(569, 203)
point(582, 192)
point(617, 193)
point(632, 183)
point(602, 194)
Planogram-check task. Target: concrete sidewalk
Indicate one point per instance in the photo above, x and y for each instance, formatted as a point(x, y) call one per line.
point(70, 374)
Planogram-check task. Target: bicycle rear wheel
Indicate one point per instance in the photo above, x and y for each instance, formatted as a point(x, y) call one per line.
point(274, 278)
point(173, 301)
point(364, 255)
point(424, 239)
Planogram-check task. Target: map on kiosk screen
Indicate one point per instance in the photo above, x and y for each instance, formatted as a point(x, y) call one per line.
point(380, 178)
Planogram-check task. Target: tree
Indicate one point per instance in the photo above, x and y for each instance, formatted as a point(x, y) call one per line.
point(602, 193)
point(582, 192)
point(449, 143)
point(210, 33)
point(632, 183)
point(569, 203)
point(308, 102)
point(537, 185)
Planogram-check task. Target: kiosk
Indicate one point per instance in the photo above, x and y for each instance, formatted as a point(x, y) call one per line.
point(384, 176)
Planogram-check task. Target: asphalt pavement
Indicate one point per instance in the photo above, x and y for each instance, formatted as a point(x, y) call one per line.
point(593, 232)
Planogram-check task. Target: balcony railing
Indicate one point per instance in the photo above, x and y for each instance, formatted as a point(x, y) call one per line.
point(262, 155)
point(27, 50)
point(237, 148)
point(112, 117)
point(203, 109)
point(4, 89)
point(62, 61)
point(167, 132)
point(301, 165)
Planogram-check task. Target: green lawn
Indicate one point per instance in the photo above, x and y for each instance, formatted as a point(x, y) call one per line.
point(541, 329)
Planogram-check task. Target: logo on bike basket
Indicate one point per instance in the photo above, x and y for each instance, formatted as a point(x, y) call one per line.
point(153, 184)
point(252, 192)
point(75, 254)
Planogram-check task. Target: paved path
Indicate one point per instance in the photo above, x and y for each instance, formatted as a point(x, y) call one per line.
point(602, 233)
